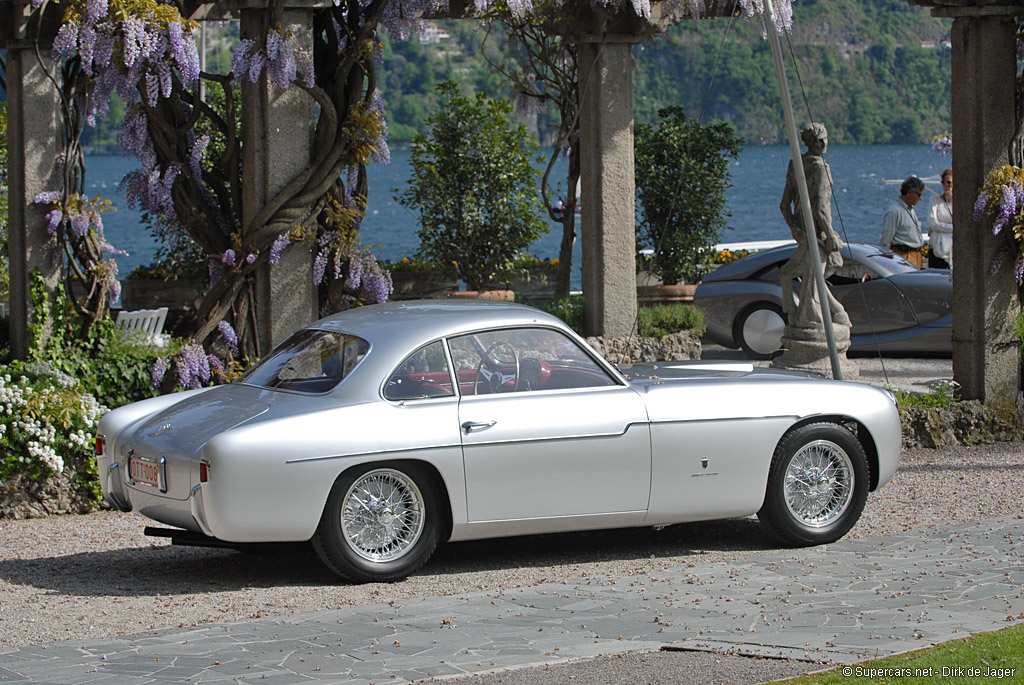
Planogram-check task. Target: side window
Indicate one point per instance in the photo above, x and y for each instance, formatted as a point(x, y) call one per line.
point(522, 360)
point(423, 375)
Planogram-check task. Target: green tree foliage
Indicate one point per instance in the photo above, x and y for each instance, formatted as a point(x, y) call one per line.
point(682, 173)
point(857, 65)
point(474, 187)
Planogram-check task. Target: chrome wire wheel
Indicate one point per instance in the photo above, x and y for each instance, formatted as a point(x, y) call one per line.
point(382, 515)
point(819, 483)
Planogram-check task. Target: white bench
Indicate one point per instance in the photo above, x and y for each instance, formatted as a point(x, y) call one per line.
point(148, 322)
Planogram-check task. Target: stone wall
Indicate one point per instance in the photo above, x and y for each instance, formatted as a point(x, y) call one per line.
point(23, 498)
point(967, 422)
point(631, 349)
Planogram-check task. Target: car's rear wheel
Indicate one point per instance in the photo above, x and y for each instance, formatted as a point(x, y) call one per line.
point(759, 329)
point(817, 485)
point(380, 524)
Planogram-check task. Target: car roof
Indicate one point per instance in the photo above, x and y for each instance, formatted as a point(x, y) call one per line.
point(430, 319)
point(756, 261)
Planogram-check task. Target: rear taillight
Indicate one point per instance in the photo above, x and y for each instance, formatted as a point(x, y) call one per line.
point(99, 445)
point(204, 472)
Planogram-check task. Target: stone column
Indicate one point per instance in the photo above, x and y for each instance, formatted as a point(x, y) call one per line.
point(278, 132)
point(608, 221)
point(986, 352)
point(33, 143)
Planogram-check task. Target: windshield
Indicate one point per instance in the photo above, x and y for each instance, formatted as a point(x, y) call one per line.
point(311, 361)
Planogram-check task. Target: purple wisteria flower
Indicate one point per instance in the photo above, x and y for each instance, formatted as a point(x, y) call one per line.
point(943, 144)
point(80, 223)
point(980, 205)
point(228, 257)
point(519, 8)
point(158, 371)
point(277, 248)
point(319, 266)
point(196, 156)
point(66, 41)
point(240, 59)
point(256, 63)
point(250, 258)
point(48, 197)
point(192, 366)
point(355, 272)
point(377, 285)
point(1018, 269)
point(96, 10)
point(217, 367)
point(53, 219)
point(1013, 193)
point(230, 337)
point(214, 271)
point(381, 152)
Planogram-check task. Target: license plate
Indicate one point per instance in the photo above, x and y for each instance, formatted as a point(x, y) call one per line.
point(148, 471)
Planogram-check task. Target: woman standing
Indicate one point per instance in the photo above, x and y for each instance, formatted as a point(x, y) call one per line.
point(940, 225)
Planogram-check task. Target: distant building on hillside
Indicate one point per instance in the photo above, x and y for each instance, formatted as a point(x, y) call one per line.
point(431, 34)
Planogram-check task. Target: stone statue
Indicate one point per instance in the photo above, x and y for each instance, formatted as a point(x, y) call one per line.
point(807, 314)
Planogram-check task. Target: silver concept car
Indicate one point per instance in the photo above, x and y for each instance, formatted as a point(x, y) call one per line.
point(894, 306)
point(380, 432)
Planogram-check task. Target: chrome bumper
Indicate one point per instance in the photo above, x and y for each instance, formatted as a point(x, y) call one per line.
point(115, 489)
point(198, 511)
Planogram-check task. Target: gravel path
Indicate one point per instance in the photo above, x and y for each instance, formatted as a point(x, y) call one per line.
point(79, 577)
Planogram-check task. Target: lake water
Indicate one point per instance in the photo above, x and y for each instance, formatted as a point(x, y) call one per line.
point(860, 197)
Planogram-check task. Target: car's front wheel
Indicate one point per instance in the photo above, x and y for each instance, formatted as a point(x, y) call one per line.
point(817, 485)
point(759, 329)
point(380, 524)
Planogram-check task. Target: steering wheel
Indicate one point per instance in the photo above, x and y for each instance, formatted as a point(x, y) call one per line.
point(496, 379)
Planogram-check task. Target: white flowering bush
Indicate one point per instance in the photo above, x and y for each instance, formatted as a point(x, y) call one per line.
point(47, 426)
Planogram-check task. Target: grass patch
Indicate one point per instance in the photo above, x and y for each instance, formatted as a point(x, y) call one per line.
point(996, 657)
point(943, 395)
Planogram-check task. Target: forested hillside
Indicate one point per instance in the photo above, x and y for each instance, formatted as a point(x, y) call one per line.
point(861, 64)
point(857, 65)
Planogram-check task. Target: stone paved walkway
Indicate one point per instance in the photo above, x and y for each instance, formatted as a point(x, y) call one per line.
point(840, 603)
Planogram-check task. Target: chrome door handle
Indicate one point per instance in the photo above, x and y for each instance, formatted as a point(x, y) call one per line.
point(470, 426)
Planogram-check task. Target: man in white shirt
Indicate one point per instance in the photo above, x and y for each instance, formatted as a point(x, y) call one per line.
point(901, 229)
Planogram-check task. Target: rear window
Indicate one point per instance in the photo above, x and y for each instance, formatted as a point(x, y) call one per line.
point(310, 361)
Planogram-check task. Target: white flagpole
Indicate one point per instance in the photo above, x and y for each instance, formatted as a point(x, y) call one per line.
point(805, 200)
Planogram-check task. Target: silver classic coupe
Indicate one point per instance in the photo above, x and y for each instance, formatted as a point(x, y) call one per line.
point(380, 432)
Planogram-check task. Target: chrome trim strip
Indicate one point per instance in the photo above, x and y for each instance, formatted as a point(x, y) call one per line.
point(554, 439)
point(198, 511)
point(460, 444)
point(363, 454)
point(161, 477)
point(562, 516)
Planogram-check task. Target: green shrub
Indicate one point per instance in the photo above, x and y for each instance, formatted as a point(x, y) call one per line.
point(568, 309)
point(111, 366)
point(652, 322)
point(662, 320)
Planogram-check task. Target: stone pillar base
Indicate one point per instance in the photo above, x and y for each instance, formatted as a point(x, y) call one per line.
point(805, 349)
